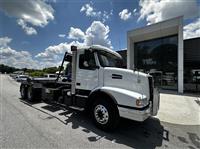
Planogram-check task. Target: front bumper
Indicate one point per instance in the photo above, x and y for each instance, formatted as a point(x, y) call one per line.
point(137, 115)
point(144, 113)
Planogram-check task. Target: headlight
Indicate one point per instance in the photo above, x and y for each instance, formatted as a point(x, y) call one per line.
point(141, 102)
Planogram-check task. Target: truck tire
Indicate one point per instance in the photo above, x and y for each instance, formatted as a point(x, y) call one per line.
point(23, 92)
point(30, 95)
point(105, 114)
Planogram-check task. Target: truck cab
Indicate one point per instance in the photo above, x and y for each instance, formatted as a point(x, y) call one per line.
point(94, 80)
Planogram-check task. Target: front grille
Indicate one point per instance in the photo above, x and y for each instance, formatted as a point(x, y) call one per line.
point(151, 88)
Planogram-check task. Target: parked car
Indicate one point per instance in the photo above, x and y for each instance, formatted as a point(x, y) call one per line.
point(21, 78)
point(50, 76)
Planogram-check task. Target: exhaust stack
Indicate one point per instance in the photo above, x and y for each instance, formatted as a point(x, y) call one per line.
point(74, 57)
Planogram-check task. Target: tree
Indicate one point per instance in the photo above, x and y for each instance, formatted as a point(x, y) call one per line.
point(50, 70)
point(7, 69)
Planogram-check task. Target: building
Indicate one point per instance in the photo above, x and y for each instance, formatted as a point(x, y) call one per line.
point(158, 49)
point(192, 64)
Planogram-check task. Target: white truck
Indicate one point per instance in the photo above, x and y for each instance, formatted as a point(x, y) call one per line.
point(93, 81)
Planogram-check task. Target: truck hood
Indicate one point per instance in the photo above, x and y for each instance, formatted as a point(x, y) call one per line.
point(127, 79)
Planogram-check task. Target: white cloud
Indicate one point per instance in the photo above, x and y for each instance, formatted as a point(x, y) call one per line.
point(50, 1)
point(76, 33)
point(4, 41)
point(157, 10)
point(52, 56)
point(61, 35)
point(90, 11)
point(11, 57)
point(125, 14)
point(20, 58)
point(28, 30)
point(96, 33)
point(192, 30)
point(37, 13)
point(51, 53)
point(106, 15)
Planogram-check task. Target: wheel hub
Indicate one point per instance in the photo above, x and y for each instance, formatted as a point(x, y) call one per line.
point(101, 114)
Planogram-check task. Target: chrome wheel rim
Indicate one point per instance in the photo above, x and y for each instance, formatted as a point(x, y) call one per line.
point(101, 114)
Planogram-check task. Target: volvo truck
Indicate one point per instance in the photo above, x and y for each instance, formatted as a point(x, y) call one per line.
point(92, 80)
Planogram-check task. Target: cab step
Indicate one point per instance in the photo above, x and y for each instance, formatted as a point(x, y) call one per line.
point(76, 108)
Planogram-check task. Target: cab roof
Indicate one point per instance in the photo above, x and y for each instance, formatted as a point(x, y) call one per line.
point(99, 48)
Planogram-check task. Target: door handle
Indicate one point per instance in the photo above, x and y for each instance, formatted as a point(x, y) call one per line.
point(116, 76)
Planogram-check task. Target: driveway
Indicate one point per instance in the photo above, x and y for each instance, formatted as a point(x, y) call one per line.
point(38, 125)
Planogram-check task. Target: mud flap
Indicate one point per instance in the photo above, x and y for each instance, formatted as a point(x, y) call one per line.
point(156, 102)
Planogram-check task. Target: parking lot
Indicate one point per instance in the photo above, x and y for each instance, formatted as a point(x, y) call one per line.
point(38, 125)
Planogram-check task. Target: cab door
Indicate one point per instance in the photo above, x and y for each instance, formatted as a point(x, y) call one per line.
point(87, 77)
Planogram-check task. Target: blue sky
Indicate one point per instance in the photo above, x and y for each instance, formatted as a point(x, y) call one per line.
point(42, 30)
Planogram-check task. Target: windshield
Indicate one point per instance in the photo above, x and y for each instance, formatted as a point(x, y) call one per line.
point(109, 60)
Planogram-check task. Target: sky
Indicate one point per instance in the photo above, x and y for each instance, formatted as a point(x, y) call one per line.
point(35, 34)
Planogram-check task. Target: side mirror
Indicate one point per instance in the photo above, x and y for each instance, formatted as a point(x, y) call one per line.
point(68, 58)
point(73, 48)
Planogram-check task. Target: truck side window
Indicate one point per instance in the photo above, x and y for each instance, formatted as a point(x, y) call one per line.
point(91, 63)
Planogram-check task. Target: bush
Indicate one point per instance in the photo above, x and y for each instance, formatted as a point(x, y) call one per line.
point(50, 70)
point(36, 74)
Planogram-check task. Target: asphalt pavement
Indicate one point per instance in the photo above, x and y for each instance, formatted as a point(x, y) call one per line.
point(38, 125)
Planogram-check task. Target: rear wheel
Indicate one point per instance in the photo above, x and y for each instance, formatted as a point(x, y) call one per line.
point(30, 94)
point(23, 92)
point(105, 114)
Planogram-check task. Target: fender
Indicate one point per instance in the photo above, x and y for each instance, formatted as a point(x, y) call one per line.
point(100, 90)
point(121, 97)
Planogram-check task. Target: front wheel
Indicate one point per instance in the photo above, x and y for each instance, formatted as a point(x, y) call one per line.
point(105, 115)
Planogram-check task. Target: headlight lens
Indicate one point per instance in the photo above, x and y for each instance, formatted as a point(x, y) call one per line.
point(141, 102)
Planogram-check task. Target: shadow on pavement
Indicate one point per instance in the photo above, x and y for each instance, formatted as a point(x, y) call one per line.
point(29, 102)
point(51, 108)
point(149, 134)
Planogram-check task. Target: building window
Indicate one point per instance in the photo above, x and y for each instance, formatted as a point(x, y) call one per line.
point(159, 58)
point(192, 65)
